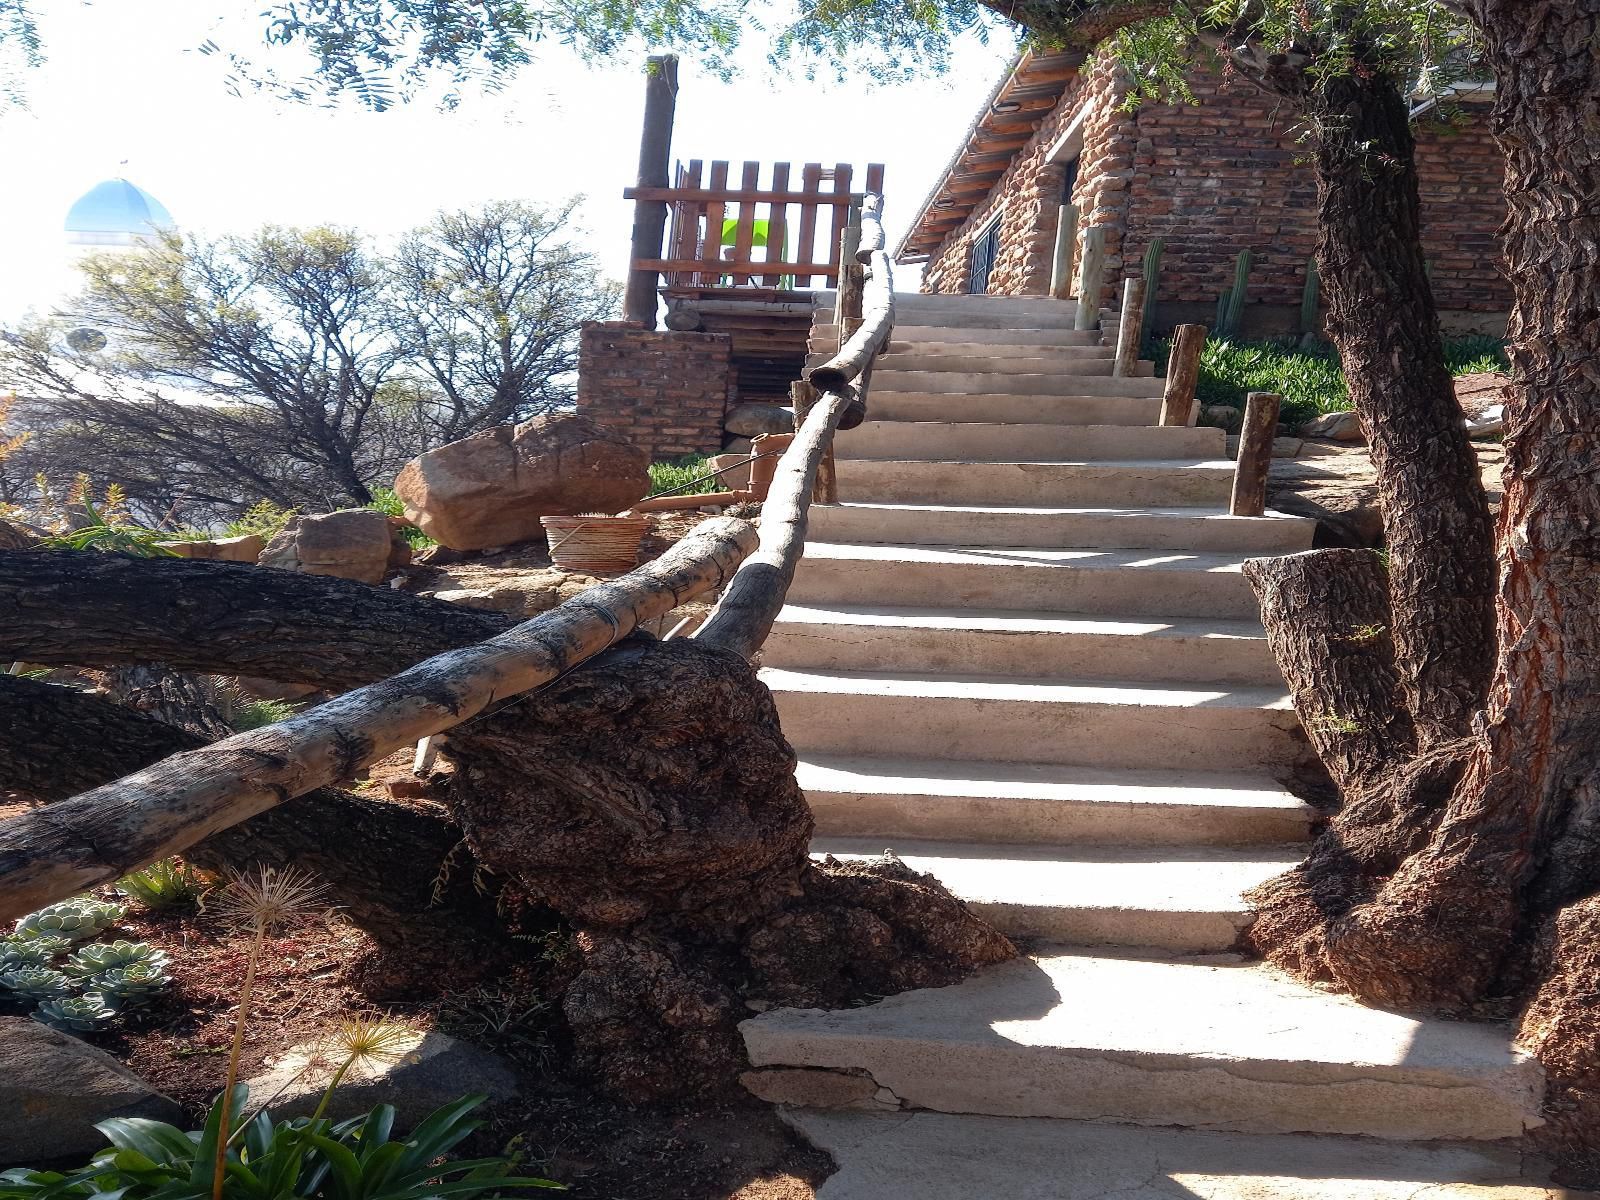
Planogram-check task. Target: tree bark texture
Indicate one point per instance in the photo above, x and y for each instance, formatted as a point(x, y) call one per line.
point(82, 608)
point(650, 798)
point(398, 870)
point(1381, 316)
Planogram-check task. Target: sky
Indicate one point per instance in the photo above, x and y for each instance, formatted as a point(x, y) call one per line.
point(124, 93)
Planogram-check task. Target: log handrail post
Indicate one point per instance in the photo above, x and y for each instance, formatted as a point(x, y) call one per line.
point(1255, 454)
point(650, 216)
point(1091, 279)
point(1183, 374)
point(1066, 245)
point(1130, 329)
point(804, 397)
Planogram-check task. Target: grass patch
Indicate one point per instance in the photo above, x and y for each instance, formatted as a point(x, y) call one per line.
point(668, 476)
point(1309, 379)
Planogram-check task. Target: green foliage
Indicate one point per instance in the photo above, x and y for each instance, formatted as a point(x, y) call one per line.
point(1230, 305)
point(77, 920)
point(263, 518)
point(76, 1014)
point(255, 714)
point(97, 959)
point(17, 952)
point(89, 989)
point(1308, 378)
point(169, 882)
point(303, 1157)
point(37, 983)
point(386, 501)
point(679, 477)
point(1310, 299)
point(1152, 282)
point(132, 986)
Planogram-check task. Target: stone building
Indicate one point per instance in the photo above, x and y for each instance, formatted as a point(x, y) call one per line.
point(1211, 179)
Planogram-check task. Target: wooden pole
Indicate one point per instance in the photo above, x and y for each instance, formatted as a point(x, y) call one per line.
point(96, 837)
point(1130, 330)
point(852, 280)
point(1066, 245)
point(1091, 278)
point(1183, 374)
point(650, 216)
point(1255, 454)
point(751, 601)
point(804, 397)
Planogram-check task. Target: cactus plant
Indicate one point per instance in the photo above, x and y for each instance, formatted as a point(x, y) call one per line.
point(75, 1014)
point(107, 956)
point(1230, 309)
point(1309, 300)
point(1152, 283)
point(130, 987)
point(37, 983)
point(78, 919)
point(17, 952)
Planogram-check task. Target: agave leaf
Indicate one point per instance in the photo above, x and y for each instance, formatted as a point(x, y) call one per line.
point(344, 1167)
point(156, 1140)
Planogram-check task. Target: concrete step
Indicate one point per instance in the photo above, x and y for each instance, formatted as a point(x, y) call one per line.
point(963, 305)
point(990, 718)
point(946, 1156)
point(987, 441)
point(888, 800)
point(1185, 900)
point(1153, 528)
point(992, 382)
point(1120, 483)
point(965, 641)
point(1020, 410)
point(942, 355)
point(1219, 1047)
point(1121, 582)
point(825, 334)
point(1098, 366)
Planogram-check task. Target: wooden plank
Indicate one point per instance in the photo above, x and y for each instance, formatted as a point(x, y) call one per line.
point(777, 222)
point(712, 251)
point(745, 224)
point(875, 178)
point(1260, 426)
point(689, 214)
point(746, 266)
point(1183, 374)
point(841, 217)
point(805, 244)
point(772, 195)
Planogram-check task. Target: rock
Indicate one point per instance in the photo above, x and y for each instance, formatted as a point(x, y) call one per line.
point(522, 597)
point(1488, 423)
point(1346, 510)
point(1335, 427)
point(491, 489)
point(1481, 390)
point(737, 476)
point(434, 1070)
point(245, 548)
point(55, 1087)
point(353, 543)
point(1223, 416)
point(1282, 447)
point(16, 537)
point(810, 1087)
point(754, 418)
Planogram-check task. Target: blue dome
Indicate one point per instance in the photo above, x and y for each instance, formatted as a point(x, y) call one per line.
point(114, 213)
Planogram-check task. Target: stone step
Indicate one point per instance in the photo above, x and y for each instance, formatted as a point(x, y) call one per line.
point(1121, 582)
point(1185, 900)
point(1119, 1039)
point(942, 355)
point(1152, 528)
point(962, 304)
point(988, 441)
point(1019, 410)
point(825, 335)
point(1120, 483)
point(966, 641)
point(889, 799)
point(990, 382)
point(1097, 366)
point(990, 718)
point(948, 1156)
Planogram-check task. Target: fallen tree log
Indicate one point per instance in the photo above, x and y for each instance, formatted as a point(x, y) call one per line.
point(82, 608)
point(52, 853)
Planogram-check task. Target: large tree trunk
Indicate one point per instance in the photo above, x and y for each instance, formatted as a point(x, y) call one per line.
point(1382, 318)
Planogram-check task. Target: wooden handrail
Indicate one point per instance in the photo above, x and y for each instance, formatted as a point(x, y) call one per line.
point(57, 851)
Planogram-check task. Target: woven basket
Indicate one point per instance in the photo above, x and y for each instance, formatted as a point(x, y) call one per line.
point(595, 545)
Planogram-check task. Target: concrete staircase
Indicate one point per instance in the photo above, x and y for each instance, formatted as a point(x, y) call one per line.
point(1021, 654)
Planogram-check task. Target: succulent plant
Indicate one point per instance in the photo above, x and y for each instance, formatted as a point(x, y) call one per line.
point(78, 919)
point(130, 987)
point(37, 983)
point(75, 1014)
point(19, 952)
point(95, 960)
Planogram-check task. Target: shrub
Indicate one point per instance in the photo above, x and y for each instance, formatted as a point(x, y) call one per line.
point(263, 518)
point(386, 501)
point(165, 883)
point(679, 476)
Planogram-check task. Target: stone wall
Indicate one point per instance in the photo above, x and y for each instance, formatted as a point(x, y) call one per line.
point(668, 392)
point(1214, 178)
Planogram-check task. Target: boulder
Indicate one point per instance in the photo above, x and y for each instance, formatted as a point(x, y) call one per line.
point(353, 543)
point(55, 1087)
point(15, 536)
point(1488, 422)
point(754, 418)
point(1481, 390)
point(1335, 427)
point(491, 489)
point(246, 548)
point(1223, 416)
point(434, 1069)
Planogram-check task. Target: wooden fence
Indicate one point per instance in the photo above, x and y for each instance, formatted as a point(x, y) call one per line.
point(726, 236)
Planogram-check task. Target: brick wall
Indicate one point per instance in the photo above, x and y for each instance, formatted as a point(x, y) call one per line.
point(1214, 178)
point(668, 392)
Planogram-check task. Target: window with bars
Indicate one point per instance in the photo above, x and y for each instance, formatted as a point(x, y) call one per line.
point(985, 249)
